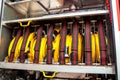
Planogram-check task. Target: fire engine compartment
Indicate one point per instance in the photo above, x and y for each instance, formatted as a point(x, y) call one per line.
point(44, 13)
point(81, 23)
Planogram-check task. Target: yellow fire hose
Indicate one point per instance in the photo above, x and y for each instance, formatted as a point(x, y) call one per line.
point(43, 48)
point(30, 37)
point(56, 44)
point(19, 43)
point(31, 42)
point(17, 50)
point(10, 48)
point(69, 45)
point(80, 48)
point(96, 47)
point(93, 42)
point(31, 54)
point(18, 46)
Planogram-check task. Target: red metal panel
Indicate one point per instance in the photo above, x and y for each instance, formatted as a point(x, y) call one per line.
point(118, 12)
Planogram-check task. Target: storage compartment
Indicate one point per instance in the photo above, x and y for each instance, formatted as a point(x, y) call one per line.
point(70, 37)
point(11, 30)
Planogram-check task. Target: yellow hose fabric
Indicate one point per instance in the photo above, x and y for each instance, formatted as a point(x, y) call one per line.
point(56, 44)
point(31, 42)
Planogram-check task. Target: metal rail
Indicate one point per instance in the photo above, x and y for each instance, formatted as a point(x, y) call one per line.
point(62, 15)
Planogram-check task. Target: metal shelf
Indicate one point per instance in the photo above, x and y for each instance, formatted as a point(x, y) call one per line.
point(60, 68)
point(62, 15)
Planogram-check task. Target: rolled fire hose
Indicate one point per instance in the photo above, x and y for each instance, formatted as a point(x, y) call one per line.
point(56, 47)
point(22, 45)
point(69, 48)
point(26, 40)
point(12, 46)
point(96, 57)
point(87, 44)
point(32, 41)
point(32, 51)
point(94, 42)
point(95, 48)
point(17, 49)
point(37, 44)
point(49, 44)
point(94, 39)
point(22, 50)
point(28, 44)
point(19, 44)
point(102, 43)
point(63, 34)
point(42, 48)
point(56, 44)
point(74, 54)
point(68, 45)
